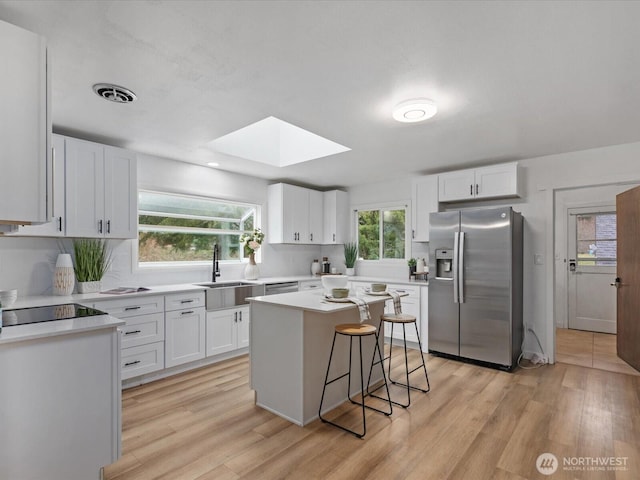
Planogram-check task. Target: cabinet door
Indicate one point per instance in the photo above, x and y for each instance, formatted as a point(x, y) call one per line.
point(25, 127)
point(497, 181)
point(84, 197)
point(315, 217)
point(295, 212)
point(336, 217)
point(121, 193)
point(56, 227)
point(221, 331)
point(456, 185)
point(184, 336)
point(244, 324)
point(425, 201)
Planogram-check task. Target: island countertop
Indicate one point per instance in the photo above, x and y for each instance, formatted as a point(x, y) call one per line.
point(314, 301)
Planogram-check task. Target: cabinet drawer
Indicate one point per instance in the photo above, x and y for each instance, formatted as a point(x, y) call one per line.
point(310, 285)
point(143, 329)
point(129, 307)
point(180, 301)
point(143, 359)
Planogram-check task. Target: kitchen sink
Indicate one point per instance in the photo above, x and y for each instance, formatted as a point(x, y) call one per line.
point(230, 294)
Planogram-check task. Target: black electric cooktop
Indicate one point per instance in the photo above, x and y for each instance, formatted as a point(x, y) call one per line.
point(24, 316)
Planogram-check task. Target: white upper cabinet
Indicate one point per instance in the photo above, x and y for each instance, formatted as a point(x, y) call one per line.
point(424, 201)
point(295, 214)
point(101, 190)
point(336, 217)
point(56, 227)
point(487, 182)
point(25, 127)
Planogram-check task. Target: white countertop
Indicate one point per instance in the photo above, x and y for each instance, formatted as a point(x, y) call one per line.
point(314, 301)
point(31, 331)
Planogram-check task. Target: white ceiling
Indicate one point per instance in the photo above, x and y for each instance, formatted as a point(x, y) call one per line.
point(512, 80)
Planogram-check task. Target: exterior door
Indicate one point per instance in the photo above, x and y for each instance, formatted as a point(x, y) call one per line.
point(592, 268)
point(628, 273)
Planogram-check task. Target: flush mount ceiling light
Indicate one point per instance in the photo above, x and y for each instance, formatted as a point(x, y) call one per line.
point(114, 93)
point(213, 164)
point(416, 110)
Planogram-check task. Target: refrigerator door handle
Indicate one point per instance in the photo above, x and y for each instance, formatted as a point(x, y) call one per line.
point(456, 241)
point(460, 254)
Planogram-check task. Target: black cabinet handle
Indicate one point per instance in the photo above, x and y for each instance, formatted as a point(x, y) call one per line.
point(132, 332)
point(477, 189)
point(128, 364)
point(186, 301)
point(334, 237)
point(188, 312)
point(126, 309)
point(235, 317)
point(240, 315)
point(108, 226)
point(311, 237)
point(470, 189)
point(59, 224)
point(99, 226)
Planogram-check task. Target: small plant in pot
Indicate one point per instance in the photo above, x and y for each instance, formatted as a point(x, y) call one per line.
point(412, 262)
point(350, 257)
point(92, 259)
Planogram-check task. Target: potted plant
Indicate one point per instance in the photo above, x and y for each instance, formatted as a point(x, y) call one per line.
point(252, 242)
point(350, 257)
point(412, 262)
point(92, 260)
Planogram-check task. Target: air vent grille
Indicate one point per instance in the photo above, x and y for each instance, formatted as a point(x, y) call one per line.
point(114, 93)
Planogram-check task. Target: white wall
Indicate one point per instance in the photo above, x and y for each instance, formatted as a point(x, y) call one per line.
point(542, 178)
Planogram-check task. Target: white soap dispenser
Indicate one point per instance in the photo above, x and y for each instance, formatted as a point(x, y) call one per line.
point(420, 265)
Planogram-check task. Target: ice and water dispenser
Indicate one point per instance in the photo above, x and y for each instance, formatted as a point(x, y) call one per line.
point(444, 263)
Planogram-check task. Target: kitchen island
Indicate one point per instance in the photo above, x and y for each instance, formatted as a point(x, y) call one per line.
point(291, 335)
point(60, 415)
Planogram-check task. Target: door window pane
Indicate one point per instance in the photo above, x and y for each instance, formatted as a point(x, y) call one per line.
point(596, 239)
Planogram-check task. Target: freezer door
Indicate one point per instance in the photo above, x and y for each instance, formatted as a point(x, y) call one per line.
point(485, 312)
point(443, 310)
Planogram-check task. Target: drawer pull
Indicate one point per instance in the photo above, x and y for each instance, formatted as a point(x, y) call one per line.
point(128, 364)
point(126, 309)
point(187, 301)
point(133, 332)
point(188, 312)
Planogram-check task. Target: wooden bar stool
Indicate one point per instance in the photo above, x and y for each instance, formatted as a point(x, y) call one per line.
point(402, 319)
point(356, 330)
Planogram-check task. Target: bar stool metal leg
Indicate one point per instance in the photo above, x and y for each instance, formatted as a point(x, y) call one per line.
point(348, 375)
point(422, 365)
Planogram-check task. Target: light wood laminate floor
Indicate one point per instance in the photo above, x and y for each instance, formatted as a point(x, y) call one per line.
point(475, 424)
point(590, 349)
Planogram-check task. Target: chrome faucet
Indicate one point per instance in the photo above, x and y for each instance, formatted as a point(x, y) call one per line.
point(216, 267)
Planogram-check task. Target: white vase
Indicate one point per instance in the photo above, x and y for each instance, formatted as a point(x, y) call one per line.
point(251, 271)
point(315, 267)
point(89, 287)
point(351, 272)
point(63, 275)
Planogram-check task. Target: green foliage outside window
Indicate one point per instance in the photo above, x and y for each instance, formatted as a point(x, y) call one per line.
point(381, 233)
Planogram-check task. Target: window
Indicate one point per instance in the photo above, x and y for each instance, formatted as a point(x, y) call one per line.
point(179, 228)
point(382, 233)
point(596, 239)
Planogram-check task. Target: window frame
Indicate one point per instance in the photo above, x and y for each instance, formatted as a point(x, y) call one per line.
point(186, 265)
point(400, 205)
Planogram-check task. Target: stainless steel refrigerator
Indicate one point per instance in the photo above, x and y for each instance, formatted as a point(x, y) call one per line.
point(475, 285)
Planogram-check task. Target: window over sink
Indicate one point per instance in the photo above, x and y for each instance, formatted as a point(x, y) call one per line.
point(175, 229)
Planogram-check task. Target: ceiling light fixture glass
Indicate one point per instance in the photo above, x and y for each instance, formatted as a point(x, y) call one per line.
point(415, 110)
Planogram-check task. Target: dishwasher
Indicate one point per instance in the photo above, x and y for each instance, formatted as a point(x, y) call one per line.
point(280, 287)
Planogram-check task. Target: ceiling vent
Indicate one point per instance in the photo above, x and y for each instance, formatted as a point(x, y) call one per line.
point(114, 93)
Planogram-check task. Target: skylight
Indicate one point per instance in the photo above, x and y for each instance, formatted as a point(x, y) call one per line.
point(275, 142)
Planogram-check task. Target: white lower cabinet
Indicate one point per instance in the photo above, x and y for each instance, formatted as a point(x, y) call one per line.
point(142, 336)
point(227, 330)
point(184, 336)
